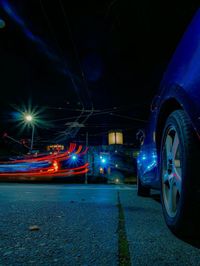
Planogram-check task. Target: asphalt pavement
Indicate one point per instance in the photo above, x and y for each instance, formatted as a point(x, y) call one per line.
point(62, 224)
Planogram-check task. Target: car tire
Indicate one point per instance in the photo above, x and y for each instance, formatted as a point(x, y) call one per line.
point(179, 155)
point(142, 190)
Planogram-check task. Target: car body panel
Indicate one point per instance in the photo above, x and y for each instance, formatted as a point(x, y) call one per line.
point(183, 73)
point(181, 83)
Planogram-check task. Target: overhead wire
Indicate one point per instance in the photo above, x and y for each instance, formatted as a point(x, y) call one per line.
point(76, 53)
point(92, 111)
point(67, 66)
point(82, 72)
point(60, 49)
point(129, 117)
point(79, 63)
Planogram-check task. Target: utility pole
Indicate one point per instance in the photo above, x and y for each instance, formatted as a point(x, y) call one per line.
point(32, 136)
point(86, 143)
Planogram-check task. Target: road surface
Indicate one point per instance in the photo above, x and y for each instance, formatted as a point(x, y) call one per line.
point(62, 224)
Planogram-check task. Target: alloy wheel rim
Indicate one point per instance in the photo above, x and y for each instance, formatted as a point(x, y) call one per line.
point(171, 171)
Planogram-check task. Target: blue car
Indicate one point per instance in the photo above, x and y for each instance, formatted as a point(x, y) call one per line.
point(170, 145)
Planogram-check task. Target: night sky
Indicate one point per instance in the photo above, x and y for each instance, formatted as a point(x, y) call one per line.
point(97, 64)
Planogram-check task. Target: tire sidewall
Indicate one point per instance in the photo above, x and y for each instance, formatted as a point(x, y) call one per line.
point(175, 222)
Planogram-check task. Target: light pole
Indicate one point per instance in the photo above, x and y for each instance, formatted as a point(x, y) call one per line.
point(33, 129)
point(86, 174)
point(30, 120)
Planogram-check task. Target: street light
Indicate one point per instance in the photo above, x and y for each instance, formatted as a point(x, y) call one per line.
point(30, 120)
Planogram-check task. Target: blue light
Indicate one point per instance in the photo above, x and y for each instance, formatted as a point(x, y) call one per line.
point(8, 8)
point(2, 23)
point(74, 157)
point(42, 46)
point(103, 160)
point(29, 34)
point(22, 166)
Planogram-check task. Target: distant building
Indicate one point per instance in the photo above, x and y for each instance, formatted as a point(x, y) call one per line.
point(115, 137)
point(114, 161)
point(55, 147)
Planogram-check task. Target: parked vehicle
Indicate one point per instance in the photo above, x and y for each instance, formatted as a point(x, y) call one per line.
point(170, 147)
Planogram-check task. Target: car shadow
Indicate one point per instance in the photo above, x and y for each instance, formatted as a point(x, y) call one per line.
point(193, 241)
point(156, 197)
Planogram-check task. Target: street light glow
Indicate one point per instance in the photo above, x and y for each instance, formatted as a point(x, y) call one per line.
point(74, 157)
point(28, 118)
point(103, 160)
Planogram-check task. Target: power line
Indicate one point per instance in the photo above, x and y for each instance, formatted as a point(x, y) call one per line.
point(76, 53)
point(129, 117)
point(61, 51)
point(71, 76)
point(77, 119)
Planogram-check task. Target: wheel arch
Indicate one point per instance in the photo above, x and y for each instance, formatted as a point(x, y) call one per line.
point(167, 108)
